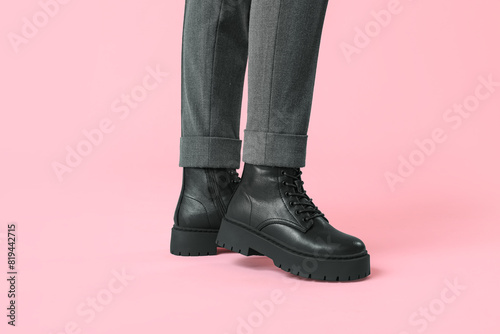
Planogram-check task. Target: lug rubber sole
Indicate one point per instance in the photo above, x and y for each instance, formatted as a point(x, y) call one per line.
point(248, 241)
point(193, 242)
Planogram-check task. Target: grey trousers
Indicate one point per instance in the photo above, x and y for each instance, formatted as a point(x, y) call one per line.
point(280, 40)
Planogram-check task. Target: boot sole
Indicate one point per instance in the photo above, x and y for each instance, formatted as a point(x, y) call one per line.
point(248, 241)
point(193, 242)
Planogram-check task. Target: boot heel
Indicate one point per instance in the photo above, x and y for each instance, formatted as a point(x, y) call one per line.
point(235, 239)
point(193, 242)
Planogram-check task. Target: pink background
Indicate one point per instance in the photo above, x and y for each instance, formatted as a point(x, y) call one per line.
point(114, 210)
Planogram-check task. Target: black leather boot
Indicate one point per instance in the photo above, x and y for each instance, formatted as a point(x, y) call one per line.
point(203, 201)
point(270, 214)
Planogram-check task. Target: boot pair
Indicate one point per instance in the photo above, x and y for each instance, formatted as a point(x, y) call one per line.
point(266, 212)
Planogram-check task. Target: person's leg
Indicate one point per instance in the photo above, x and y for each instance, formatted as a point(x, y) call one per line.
point(284, 42)
point(214, 58)
point(270, 212)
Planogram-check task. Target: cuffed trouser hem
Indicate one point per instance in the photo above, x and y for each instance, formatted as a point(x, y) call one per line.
point(274, 149)
point(210, 152)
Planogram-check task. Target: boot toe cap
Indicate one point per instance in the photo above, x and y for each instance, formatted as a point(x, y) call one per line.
point(321, 241)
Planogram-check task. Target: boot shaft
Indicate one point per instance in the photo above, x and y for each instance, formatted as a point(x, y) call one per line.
point(266, 195)
point(205, 195)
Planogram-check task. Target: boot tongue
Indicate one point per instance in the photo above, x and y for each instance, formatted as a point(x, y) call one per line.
point(298, 182)
point(300, 188)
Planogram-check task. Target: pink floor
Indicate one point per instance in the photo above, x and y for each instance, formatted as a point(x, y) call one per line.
point(93, 243)
point(72, 247)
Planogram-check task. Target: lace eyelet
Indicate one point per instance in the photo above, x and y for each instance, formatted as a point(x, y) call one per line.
point(291, 203)
point(286, 193)
point(282, 172)
point(283, 182)
point(297, 212)
point(305, 219)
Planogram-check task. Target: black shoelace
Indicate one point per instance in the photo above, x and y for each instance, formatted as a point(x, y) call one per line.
point(304, 200)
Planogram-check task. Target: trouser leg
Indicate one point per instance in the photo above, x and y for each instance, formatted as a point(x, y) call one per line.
point(214, 58)
point(284, 39)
